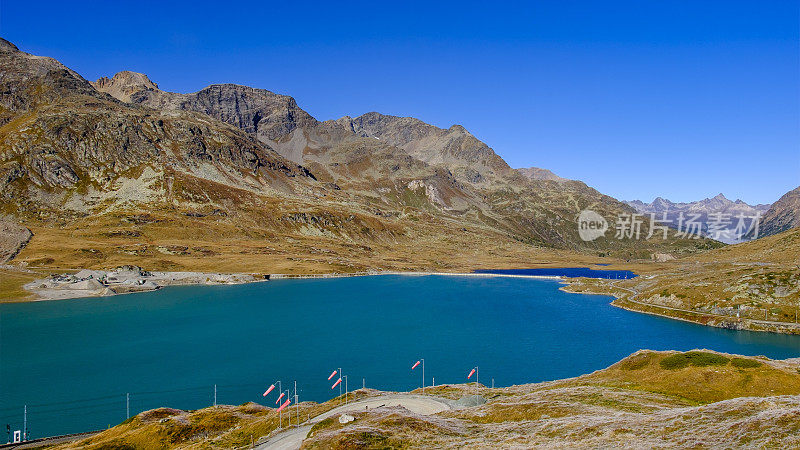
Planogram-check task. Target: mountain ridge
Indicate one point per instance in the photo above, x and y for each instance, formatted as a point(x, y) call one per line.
point(374, 150)
point(273, 118)
point(717, 203)
point(537, 173)
point(174, 181)
point(718, 208)
point(782, 215)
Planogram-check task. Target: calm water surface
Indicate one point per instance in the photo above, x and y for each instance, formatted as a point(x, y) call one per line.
point(73, 361)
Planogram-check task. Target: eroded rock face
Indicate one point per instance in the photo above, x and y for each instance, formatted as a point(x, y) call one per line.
point(13, 238)
point(53, 172)
point(536, 173)
point(455, 148)
point(124, 84)
point(27, 81)
point(266, 115)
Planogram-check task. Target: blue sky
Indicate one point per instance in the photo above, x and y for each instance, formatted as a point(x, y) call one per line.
point(682, 99)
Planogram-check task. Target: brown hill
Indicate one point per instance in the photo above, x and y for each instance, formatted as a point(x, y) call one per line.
point(783, 215)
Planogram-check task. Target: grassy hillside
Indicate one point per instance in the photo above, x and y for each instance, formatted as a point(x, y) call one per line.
point(759, 281)
point(698, 398)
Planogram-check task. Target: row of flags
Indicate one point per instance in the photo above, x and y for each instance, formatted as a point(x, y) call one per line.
point(337, 383)
point(284, 404)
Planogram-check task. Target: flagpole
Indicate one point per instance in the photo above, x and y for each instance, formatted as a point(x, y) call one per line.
point(280, 413)
point(345, 388)
point(421, 361)
point(477, 378)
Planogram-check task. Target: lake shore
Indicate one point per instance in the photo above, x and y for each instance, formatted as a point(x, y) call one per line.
point(129, 280)
point(625, 299)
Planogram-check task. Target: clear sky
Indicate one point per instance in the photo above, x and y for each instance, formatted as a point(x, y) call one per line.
point(683, 99)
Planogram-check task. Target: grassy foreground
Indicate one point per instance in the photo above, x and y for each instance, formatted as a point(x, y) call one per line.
point(649, 399)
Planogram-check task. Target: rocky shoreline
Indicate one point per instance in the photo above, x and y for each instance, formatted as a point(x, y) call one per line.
point(124, 280)
point(132, 279)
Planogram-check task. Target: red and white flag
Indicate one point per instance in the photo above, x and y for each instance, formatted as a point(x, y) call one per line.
point(284, 405)
point(471, 373)
point(280, 397)
point(337, 383)
point(415, 365)
point(331, 376)
point(269, 390)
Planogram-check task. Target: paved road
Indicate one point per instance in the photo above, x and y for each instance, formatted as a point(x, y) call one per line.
point(292, 438)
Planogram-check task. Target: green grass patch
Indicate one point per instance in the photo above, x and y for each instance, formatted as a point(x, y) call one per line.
point(745, 363)
point(697, 359)
point(323, 424)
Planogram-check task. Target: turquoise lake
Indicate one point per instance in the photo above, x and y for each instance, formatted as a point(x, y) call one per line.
point(73, 361)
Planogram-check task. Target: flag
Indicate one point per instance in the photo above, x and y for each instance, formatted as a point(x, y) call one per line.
point(331, 376)
point(471, 374)
point(284, 405)
point(415, 365)
point(280, 397)
point(268, 390)
point(337, 383)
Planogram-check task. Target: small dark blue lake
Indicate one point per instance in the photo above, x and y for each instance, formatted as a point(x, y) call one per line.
point(72, 362)
point(570, 272)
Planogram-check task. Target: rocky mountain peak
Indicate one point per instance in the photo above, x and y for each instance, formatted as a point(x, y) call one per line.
point(124, 84)
point(661, 204)
point(459, 129)
point(7, 47)
point(536, 173)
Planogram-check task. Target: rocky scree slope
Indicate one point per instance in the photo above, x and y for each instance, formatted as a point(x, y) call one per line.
point(61, 137)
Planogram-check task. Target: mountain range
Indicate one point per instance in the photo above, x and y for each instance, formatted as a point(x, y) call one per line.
point(130, 166)
point(707, 210)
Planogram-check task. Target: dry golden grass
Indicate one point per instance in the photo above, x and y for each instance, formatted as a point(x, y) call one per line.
point(714, 377)
point(163, 240)
point(11, 282)
point(646, 399)
point(759, 280)
point(215, 427)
